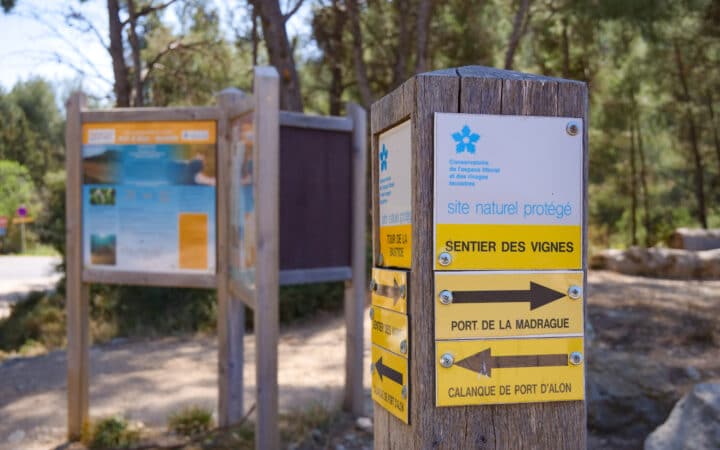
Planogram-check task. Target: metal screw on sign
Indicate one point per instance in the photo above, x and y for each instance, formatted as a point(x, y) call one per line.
point(446, 297)
point(372, 313)
point(572, 128)
point(576, 358)
point(404, 391)
point(380, 259)
point(574, 292)
point(372, 368)
point(373, 285)
point(447, 360)
point(402, 291)
point(403, 346)
point(444, 259)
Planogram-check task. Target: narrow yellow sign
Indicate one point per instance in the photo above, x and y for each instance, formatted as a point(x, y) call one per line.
point(396, 245)
point(508, 247)
point(390, 330)
point(500, 371)
point(472, 305)
point(389, 289)
point(390, 387)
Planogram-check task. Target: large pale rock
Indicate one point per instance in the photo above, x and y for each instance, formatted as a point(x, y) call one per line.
point(695, 239)
point(660, 262)
point(694, 423)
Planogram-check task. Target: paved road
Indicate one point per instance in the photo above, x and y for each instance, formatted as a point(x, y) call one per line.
point(22, 274)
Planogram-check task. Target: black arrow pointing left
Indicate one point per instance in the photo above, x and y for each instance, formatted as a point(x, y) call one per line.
point(389, 372)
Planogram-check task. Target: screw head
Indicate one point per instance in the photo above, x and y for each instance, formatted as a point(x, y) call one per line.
point(446, 297)
point(404, 391)
point(576, 358)
point(447, 360)
point(372, 368)
point(380, 259)
point(403, 346)
point(372, 313)
point(402, 291)
point(572, 128)
point(444, 259)
point(373, 285)
point(574, 292)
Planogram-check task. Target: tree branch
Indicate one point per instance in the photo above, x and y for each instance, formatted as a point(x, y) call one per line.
point(295, 9)
point(172, 46)
point(149, 9)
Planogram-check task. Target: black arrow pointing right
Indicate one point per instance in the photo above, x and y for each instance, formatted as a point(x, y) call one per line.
point(385, 371)
point(394, 292)
point(538, 295)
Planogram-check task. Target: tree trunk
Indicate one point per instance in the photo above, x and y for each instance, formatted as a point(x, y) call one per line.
point(335, 59)
point(402, 12)
point(649, 230)
point(135, 51)
point(254, 36)
point(359, 62)
point(517, 32)
point(280, 52)
point(117, 54)
point(633, 189)
point(693, 136)
point(423, 31)
point(714, 127)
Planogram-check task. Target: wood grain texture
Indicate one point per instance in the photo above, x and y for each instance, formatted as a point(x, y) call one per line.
point(77, 292)
point(151, 114)
point(308, 121)
point(267, 188)
point(186, 280)
point(231, 310)
point(355, 290)
point(543, 426)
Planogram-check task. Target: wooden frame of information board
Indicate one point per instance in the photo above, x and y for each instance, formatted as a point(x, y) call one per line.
point(264, 106)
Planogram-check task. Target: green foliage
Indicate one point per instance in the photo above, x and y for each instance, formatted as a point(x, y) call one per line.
point(51, 220)
point(16, 189)
point(191, 421)
point(112, 432)
point(40, 318)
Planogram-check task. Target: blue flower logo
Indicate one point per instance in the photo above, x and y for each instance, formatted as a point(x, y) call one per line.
point(383, 158)
point(465, 140)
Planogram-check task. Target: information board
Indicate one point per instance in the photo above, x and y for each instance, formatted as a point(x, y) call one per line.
point(395, 164)
point(148, 196)
point(508, 192)
point(242, 208)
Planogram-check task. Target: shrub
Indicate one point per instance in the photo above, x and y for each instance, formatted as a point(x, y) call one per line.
point(191, 421)
point(112, 432)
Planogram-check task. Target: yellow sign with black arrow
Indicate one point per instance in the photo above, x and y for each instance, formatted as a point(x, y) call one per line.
point(390, 386)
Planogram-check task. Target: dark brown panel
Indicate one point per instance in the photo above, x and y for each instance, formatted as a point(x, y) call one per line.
point(315, 198)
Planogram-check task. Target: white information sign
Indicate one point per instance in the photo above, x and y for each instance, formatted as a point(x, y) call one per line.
point(394, 165)
point(508, 191)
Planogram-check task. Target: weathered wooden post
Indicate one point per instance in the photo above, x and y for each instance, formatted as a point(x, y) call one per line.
point(77, 293)
point(479, 245)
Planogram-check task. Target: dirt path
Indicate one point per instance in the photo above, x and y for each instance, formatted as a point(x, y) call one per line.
point(148, 380)
point(667, 326)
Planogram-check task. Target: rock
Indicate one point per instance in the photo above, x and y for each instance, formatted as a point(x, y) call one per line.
point(694, 423)
point(695, 239)
point(16, 437)
point(364, 424)
point(693, 373)
point(627, 393)
point(660, 262)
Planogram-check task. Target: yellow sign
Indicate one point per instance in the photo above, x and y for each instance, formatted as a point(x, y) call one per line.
point(389, 289)
point(390, 330)
point(471, 305)
point(189, 132)
point(509, 247)
point(20, 220)
point(503, 371)
point(396, 245)
point(390, 387)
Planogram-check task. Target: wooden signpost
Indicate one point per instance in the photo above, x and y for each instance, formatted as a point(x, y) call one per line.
point(479, 220)
point(192, 197)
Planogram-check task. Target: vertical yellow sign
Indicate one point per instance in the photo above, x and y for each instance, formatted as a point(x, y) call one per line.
point(390, 387)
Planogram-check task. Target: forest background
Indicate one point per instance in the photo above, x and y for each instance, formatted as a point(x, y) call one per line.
point(652, 66)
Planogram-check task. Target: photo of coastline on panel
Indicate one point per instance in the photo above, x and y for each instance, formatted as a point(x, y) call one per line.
point(150, 186)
